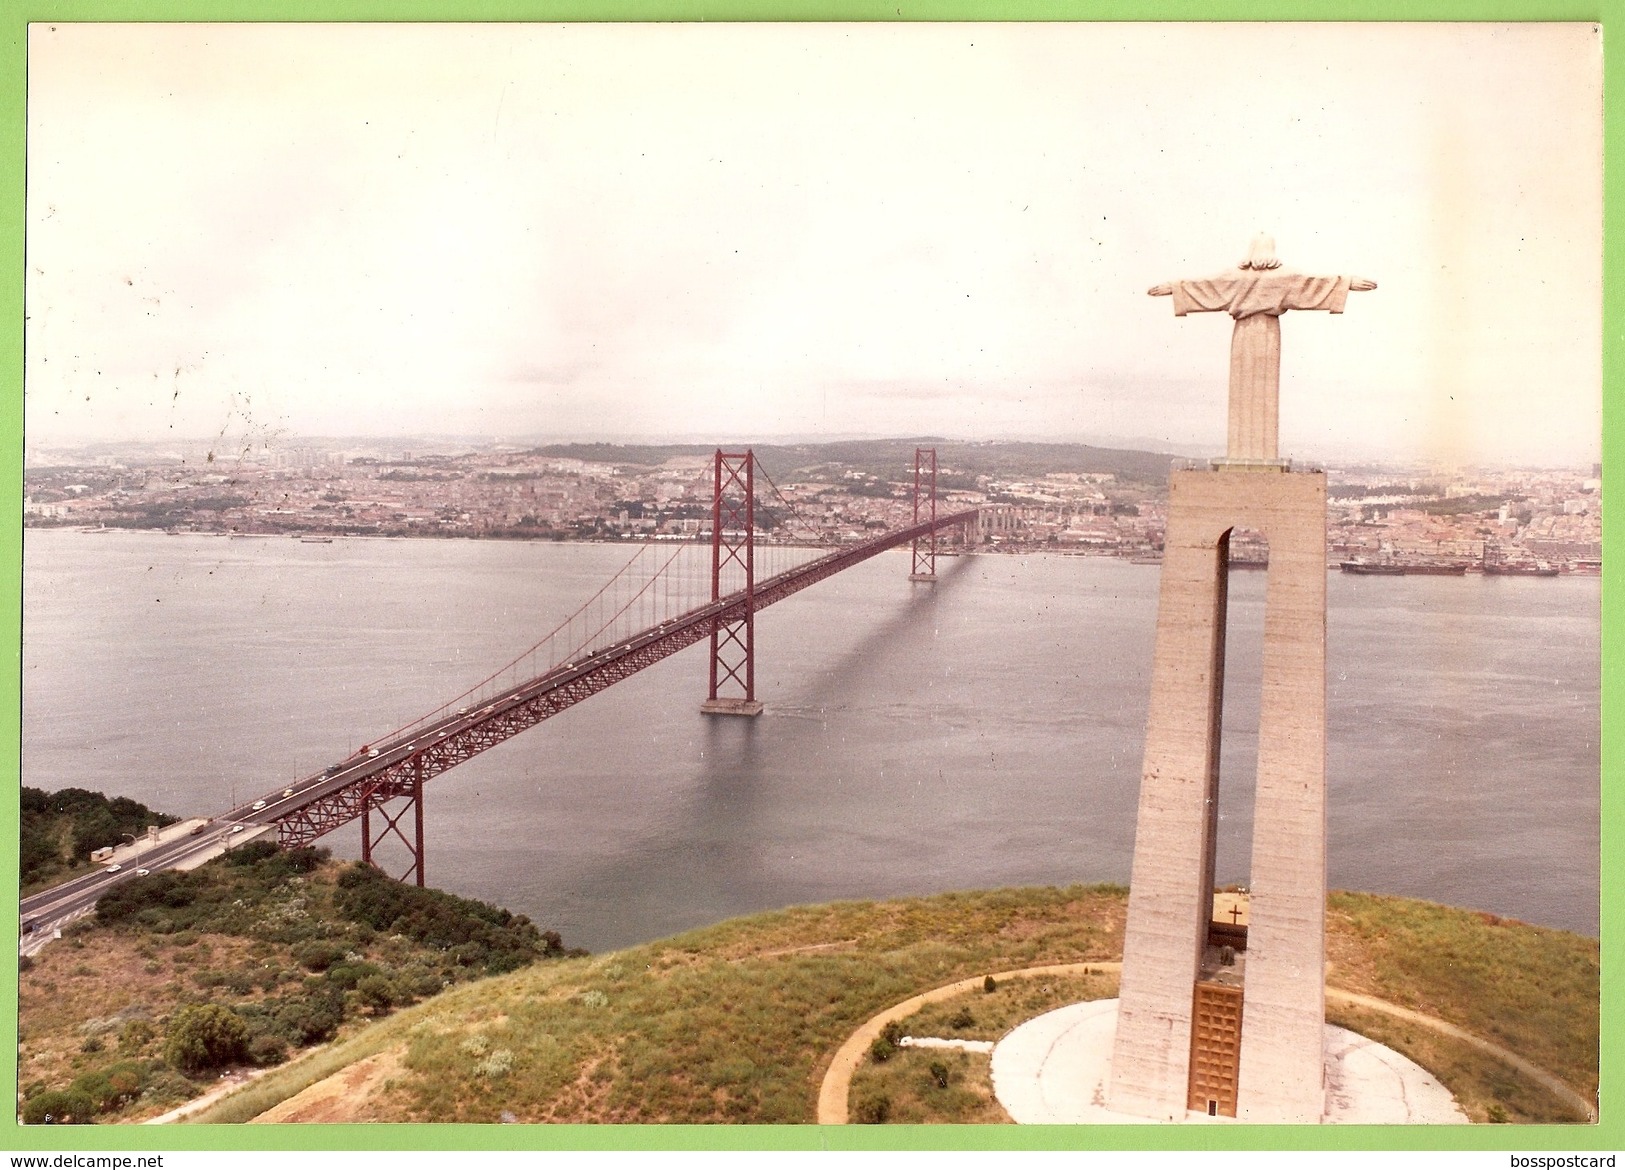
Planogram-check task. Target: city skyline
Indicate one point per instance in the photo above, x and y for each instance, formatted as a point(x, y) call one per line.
point(637, 232)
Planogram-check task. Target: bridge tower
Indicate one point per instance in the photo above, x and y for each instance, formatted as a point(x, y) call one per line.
point(733, 555)
point(925, 483)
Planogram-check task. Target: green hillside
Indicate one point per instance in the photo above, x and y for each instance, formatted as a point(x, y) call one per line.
point(236, 966)
point(738, 1022)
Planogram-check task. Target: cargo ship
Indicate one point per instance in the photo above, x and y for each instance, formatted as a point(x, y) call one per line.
point(1437, 568)
point(1519, 569)
point(1405, 568)
point(1372, 568)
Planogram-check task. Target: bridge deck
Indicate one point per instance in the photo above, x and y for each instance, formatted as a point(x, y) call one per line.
point(318, 804)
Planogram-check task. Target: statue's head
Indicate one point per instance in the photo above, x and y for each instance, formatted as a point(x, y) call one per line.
point(1261, 255)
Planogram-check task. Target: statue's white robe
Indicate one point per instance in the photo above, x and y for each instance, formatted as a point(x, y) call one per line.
point(1256, 300)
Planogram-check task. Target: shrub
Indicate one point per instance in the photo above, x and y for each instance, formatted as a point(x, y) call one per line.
point(312, 1019)
point(112, 1087)
point(59, 1108)
point(377, 992)
point(420, 981)
point(266, 978)
point(989, 984)
point(962, 1019)
point(496, 1065)
point(205, 1035)
point(872, 1109)
point(267, 1049)
point(251, 854)
point(317, 955)
point(349, 975)
point(134, 1035)
point(169, 889)
point(303, 859)
point(882, 1049)
point(91, 1044)
point(475, 934)
point(939, 1074)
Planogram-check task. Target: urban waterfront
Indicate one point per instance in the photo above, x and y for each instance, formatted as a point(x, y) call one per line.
point(982, 731)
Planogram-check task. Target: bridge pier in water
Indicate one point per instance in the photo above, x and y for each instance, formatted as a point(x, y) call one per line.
point(925, 547)
point(733, 551)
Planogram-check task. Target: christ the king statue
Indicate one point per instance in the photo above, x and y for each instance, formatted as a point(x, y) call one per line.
point(1256, 292)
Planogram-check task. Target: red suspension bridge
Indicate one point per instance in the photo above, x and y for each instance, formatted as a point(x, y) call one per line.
point(660, 602)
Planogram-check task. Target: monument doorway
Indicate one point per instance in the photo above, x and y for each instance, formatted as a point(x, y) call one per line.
point(1246, 555)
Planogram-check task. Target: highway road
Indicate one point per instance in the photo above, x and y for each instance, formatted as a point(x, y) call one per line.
point(45, 913)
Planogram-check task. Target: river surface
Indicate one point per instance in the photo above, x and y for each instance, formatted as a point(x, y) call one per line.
point(982, 731)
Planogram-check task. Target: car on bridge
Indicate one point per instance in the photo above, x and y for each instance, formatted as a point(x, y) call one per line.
point(258, 804)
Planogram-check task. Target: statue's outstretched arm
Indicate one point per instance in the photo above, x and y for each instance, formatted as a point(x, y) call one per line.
point(1361, 284)
point(1167, 290)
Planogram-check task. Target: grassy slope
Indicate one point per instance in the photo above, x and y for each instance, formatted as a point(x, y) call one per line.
point(736, 1022)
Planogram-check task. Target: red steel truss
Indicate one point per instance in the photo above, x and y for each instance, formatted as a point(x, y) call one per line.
point(390, 826)
point(400, 768)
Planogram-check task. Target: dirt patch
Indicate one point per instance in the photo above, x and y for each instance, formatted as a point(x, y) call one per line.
point(229, 1083)
point(809, 949)
point(344, 1096)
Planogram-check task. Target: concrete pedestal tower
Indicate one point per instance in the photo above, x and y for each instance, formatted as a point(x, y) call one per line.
point(1215, 1017)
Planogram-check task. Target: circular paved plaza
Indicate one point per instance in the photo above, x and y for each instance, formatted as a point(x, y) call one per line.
point(1053, 1070)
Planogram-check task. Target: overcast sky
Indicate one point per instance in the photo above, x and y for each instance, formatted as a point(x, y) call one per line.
point(259, 232)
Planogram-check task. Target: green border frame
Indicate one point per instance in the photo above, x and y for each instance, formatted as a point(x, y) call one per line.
point(1608, 1135)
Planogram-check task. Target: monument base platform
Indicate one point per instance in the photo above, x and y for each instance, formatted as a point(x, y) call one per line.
point(747, 707)
point(1053, 1070)
point(1227, 464)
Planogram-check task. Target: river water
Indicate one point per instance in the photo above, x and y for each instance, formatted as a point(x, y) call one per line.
point(982, 731)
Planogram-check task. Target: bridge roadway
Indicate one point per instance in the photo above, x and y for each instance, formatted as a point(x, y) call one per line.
point(318, 804)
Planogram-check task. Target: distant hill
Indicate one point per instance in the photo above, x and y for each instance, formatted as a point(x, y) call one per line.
point(893, 459)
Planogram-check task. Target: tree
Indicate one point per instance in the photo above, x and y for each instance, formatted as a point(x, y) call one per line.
point(205, 1035)
point(59, 1108)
